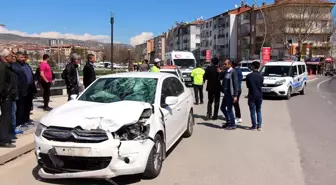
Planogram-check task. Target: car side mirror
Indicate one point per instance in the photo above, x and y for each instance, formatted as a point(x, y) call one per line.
point(73, 96)
point(171, 100)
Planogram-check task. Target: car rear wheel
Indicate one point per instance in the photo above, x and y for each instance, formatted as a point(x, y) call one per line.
point(289, 93)
point(155, 159)
point(190, 126)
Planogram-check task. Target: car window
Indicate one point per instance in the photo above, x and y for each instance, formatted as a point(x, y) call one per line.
point(178, 88)
point(300, 69)
point(294, 71)
point(166, 90)
point(110, 90)
point(304, 68)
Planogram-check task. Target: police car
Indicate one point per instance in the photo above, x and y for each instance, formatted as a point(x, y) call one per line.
point(283, 78)
point(172, 70)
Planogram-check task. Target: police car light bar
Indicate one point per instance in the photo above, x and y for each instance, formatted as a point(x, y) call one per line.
point(168, 67)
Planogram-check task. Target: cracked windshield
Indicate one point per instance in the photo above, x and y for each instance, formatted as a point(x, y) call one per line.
point(109, 90)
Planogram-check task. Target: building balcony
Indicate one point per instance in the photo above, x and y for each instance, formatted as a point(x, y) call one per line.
point(245, 21)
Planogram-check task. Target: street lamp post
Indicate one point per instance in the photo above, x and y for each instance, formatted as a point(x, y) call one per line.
point(112, 24)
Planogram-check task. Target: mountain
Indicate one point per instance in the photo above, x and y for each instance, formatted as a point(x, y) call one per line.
point(6, 38)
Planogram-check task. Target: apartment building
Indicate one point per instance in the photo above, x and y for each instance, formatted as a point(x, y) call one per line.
point(159, 46)
point(219, 34)
point(307, 24)
point(145, 51)
point(185, 37)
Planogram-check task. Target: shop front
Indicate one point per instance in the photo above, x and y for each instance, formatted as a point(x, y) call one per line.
point(314, 66)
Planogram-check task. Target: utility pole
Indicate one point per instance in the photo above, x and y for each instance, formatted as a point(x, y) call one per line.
point(112, 24)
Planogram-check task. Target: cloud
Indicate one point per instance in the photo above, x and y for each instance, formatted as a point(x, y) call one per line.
point(52, 34)
point(141, 38)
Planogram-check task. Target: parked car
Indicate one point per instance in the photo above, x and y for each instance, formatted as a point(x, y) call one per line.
point(245, 71)
point(122, 124)
point(172, 70)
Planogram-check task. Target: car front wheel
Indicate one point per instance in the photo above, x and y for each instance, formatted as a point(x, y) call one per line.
point(289, 93)
point(155, 159)
point(190, 125)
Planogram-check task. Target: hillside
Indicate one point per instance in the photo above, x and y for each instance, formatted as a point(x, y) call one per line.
point(16, 39)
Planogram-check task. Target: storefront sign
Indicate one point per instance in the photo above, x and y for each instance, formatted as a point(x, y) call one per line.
point(266, 55)
point(208, 55)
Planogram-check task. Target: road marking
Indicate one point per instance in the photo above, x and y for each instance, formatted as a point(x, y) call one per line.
point(318, 85)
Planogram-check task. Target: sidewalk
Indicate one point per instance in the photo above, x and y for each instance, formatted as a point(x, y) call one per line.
point(25, 142)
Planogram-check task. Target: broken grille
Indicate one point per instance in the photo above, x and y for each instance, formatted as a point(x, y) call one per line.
point(76, 135)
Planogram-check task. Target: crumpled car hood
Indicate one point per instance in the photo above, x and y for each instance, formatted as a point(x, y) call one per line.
point(90, 115)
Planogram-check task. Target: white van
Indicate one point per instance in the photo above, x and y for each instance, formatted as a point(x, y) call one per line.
point(185, 61)
point(283, 78)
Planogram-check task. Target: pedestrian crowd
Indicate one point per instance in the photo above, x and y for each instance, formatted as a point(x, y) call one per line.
point(18, 87)
point(228, 80)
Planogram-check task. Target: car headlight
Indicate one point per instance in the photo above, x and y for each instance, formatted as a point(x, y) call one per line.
point(137, 131)
point(39, 129)
point(280, 82)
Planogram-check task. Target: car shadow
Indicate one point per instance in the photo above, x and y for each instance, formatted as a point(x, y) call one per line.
point(211, 125)
point(203, 117)
point(276, 98)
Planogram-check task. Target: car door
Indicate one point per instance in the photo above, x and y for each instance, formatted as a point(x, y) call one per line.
point(296, 78)
point(170, 112)
point(183, 101)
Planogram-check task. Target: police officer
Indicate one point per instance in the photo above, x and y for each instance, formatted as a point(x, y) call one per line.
point(156, 67)
point(197, 76)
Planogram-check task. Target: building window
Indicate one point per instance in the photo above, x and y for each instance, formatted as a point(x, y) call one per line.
point(210, 23)
point(210, 33)
point(198, 37)
point(198, 45)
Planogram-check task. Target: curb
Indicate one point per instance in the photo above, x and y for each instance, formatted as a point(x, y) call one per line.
point(20, 149)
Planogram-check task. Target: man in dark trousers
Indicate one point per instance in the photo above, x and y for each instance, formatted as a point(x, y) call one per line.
point(254, 83)
point(89, 74)
point(197, 75)
point(230, 89)
point(71, 76)
point(8, 94)
point(26, 89)
point(46, 81)
point(213, 87)
point(235, 65)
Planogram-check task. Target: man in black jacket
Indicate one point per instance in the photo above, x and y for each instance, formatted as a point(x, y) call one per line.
point(254, 83)
point(213, 87)
point(71, 76)
point(26, 87)
point(230, 89)
point(8, 94)
point(89, 74)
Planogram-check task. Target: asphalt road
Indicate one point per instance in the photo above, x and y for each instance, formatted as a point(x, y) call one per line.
point(314, 121)
point(212, 156)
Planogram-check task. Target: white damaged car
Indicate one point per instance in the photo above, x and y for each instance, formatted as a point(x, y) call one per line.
point(122, 124)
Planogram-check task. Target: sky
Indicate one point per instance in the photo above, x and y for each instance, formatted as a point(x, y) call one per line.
point(135, 20)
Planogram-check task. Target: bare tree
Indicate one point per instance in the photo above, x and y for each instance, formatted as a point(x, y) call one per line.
point(300, 19)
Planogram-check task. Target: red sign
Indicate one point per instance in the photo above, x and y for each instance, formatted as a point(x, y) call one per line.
point(266, 55)
point(208, 55)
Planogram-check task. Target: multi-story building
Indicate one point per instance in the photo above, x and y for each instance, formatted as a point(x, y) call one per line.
point(219, 34)
point(145, 51)
point(306, 24)
point(185, 37)
point(159, 46)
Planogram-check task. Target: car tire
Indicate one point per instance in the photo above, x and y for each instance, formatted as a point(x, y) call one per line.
point(289, 93)
point(155, 159)
point(302, 92)
point(190, 126)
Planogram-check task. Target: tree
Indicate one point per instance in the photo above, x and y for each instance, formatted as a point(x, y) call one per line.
point(82, 52)
point(300, 19)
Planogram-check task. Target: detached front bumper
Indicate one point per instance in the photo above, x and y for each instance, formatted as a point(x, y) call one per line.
point(107, 159)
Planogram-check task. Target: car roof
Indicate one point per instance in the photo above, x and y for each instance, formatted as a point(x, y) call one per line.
point(139, 75)
point(284, 63)
point(168, 69)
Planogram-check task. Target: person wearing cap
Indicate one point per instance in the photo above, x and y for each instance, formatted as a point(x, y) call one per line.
point(197, 75)
point(71, 76)
point(156, 67)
